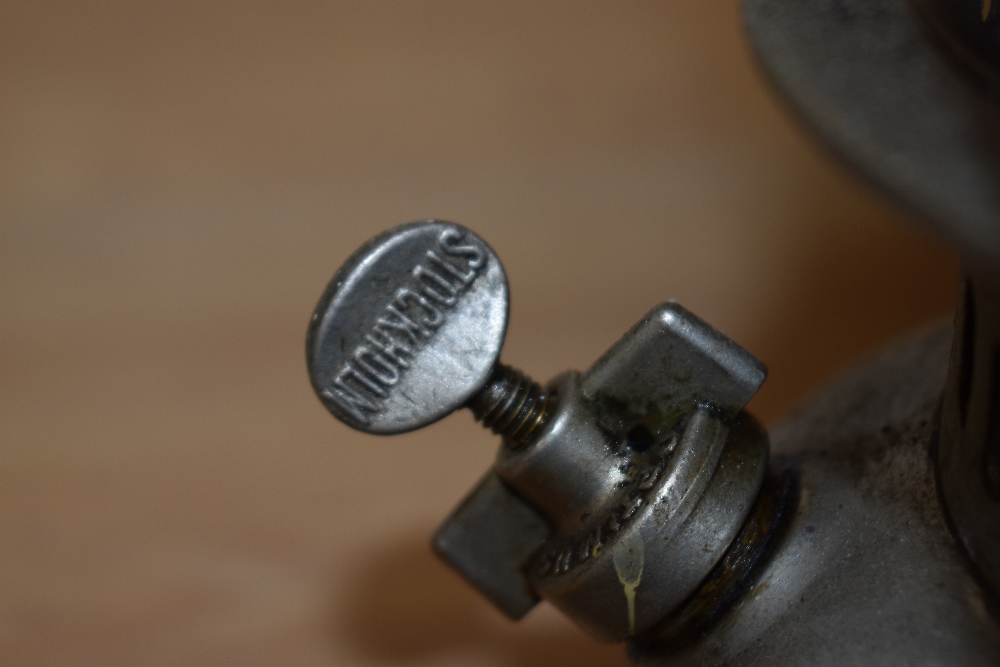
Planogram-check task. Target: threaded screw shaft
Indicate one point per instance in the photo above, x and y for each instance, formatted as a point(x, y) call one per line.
point(511, 404)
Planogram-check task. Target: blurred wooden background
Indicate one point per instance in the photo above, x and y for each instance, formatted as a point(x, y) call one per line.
point(179, 180)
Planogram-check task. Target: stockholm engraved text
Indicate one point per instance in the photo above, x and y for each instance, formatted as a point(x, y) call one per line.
point(361, 384)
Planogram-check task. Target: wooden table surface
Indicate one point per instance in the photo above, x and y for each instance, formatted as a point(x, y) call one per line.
point(179, 180)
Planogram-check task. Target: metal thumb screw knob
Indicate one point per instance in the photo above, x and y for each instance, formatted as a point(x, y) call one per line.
point(410, 329)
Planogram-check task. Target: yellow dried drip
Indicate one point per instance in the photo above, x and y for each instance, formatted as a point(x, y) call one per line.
point(629, 558)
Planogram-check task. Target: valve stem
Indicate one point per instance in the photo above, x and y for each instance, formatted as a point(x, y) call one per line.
point(511, 404)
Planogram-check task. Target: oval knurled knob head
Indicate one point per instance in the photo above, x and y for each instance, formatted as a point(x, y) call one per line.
point(409, 328)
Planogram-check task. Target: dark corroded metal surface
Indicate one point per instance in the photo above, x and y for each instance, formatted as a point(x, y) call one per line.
point(869, 573)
